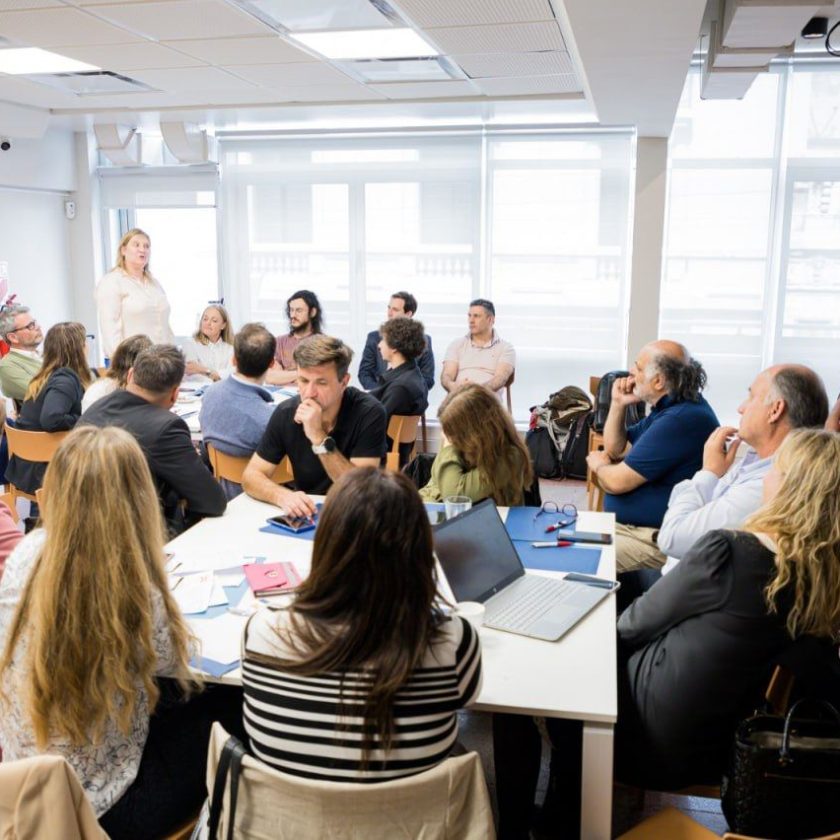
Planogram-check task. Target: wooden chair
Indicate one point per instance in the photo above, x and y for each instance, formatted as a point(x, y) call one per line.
point(507, 390)
point(10, 503)
point(402, 428)
point(31, 446)
point(669, 824)
point(594, 492)
point(231, 467)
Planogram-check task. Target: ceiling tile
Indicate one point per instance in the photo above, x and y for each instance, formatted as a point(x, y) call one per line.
point(61, 27)
point(474, 12)
point(529, 85)
point(426, 90)
point(173, 20)
point(494, 65)
point(506, 38)
point(191, 78)
point(327, 93)
point(125, 57)
point(18, 5)
point(277, 75)
point(235, 51)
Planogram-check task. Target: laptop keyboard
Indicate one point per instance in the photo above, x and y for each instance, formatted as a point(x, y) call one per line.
point(535, 597)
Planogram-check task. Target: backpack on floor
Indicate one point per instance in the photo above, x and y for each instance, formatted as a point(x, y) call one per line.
point(603, 398)
point(558, 437)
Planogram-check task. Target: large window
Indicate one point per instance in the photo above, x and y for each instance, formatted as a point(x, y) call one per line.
point(752, 262)
point(537, 223)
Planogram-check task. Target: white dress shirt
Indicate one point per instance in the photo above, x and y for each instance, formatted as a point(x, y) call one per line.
point(216, 356)
point(705, 502)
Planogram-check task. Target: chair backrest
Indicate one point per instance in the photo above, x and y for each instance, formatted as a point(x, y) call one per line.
point(507, 390)
point(402, 428)
point(9, 501)
point(41, 797)
point(447, 801)
point(231, 467)
point(33, 446)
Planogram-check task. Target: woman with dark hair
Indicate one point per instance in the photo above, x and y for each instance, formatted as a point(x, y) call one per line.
point(402, 389)
point(117, 376)
point(481, 455)
point(361, 678)
point(53, 400)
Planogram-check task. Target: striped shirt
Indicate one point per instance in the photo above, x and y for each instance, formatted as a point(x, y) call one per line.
point(311, 726)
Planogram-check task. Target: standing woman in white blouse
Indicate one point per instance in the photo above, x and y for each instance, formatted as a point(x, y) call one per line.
point(130, 301)
point(209, 353)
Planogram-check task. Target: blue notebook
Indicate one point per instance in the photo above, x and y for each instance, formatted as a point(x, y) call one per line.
point(570, 558)
point(521, 525)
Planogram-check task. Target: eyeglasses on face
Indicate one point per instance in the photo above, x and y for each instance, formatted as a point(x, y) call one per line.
point(29, 326)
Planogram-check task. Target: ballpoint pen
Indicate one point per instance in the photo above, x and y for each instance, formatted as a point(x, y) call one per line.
point(553, 544)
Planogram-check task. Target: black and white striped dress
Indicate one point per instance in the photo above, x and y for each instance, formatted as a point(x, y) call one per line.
point(296, 723)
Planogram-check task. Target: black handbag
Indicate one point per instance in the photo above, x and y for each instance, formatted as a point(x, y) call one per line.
point(230, 764)
point(784, 777)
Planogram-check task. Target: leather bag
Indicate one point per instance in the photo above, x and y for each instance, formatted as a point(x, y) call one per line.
point(784, 777)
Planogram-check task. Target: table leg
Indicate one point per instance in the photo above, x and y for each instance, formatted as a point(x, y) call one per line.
point(596, 782)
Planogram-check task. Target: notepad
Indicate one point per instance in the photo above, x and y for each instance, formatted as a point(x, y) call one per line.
point(271, 578)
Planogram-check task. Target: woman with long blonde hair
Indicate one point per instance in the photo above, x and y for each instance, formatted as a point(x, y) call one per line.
point(698, 648)
point(482, 455)
point(87, 628)
point(129, 299)
point(53, 400)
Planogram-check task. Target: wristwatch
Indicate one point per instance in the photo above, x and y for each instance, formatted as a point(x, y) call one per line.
point(326, 446)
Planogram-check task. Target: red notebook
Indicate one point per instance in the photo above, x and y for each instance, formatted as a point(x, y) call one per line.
point(271, 578)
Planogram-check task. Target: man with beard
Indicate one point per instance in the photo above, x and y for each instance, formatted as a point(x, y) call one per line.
point(304, 313)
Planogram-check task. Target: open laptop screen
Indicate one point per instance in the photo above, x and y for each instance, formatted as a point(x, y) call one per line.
point(476, 554)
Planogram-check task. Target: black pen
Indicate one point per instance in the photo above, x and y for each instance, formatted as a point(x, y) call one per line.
point(592, 580)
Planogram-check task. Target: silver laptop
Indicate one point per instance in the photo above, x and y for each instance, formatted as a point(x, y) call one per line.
point(481, 564)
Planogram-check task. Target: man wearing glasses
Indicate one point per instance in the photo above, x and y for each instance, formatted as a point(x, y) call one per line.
point(23, 335)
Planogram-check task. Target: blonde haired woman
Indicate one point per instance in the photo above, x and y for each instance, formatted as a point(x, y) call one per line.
point(704, 644)
point(209, 353)
point(129, 299)
point(482, 455)
point(698, 648)
point(87, 625)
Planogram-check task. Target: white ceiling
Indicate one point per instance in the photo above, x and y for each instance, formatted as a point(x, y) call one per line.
point(607, 62)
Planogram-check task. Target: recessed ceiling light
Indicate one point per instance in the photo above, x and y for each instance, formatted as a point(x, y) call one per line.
point(17, 62)
point(402, 69)
point(367, 43)
point(322, 15)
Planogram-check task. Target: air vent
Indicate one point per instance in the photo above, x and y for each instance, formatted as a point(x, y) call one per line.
point(91, 84)
point(402, 70)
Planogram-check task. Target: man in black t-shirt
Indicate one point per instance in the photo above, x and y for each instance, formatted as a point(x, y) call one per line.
point(327, 430)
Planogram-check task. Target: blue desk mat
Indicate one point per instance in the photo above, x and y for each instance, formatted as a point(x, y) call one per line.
point(570, 558)
point(521, 525)
point(302, 535)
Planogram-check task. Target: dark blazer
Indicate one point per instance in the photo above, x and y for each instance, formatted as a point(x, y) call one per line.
point(703, 646)
point(372, 365)
point(56, 409)
point(176, 467)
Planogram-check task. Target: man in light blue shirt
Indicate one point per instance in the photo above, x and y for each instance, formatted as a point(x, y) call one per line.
point(235, 411)
point(726, 491)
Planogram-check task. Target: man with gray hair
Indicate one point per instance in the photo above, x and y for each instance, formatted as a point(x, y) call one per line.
point(326, 430)
point(640, 465)
point(143, 409)
point(726, 491)
point(23, 335)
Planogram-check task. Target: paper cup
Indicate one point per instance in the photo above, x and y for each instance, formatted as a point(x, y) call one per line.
point(473, 611)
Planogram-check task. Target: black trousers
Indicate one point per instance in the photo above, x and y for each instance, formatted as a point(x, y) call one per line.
point(170, 785)
point(517, 752)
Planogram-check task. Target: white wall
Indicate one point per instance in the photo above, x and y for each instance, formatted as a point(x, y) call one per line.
point(36, 176)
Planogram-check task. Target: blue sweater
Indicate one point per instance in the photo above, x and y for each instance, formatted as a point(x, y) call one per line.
point(234, 415)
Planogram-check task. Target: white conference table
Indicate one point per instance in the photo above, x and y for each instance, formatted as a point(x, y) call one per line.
point(574, 677)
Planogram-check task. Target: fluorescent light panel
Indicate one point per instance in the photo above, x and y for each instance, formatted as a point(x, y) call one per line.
point(401, 70)
point(320, 15)
point(28, 60)
point(370, 43)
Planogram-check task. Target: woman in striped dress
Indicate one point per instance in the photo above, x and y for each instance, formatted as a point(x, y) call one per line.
point(361, 678)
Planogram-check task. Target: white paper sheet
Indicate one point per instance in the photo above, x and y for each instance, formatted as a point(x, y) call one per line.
point(220, 637)
point(193, 592)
